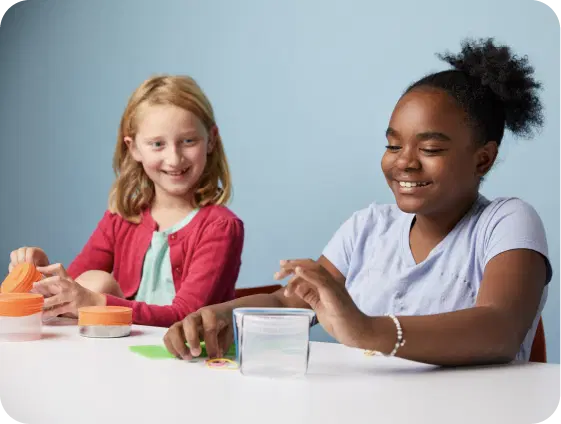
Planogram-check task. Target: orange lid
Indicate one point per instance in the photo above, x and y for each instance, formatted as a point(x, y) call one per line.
point(20, 304)
point(21, 279)
point(105, 315)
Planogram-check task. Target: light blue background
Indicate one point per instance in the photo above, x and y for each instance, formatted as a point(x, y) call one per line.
point(302, 90)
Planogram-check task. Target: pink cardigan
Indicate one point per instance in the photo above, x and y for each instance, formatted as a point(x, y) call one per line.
point(205, 257)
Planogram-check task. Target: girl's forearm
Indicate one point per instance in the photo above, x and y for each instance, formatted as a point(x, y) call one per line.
point(479, 335)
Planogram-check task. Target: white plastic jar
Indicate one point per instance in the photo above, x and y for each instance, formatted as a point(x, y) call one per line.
point(20, 316)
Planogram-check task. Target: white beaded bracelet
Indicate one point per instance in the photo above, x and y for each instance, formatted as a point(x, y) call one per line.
point(400, 340)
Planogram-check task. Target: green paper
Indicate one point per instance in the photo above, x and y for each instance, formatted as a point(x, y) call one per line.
point(152, 351)
point(160, 352)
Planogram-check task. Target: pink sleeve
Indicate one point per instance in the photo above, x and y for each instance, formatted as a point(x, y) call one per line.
point(98, 252)
point(212, 274)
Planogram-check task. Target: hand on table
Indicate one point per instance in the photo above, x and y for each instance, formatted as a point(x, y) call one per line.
point(213, 324)
point(32, 255)
point(334, 307)
point(62, 294)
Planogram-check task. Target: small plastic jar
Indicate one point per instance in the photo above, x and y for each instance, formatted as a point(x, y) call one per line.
point(20, 316)
point(105, 321)
point(21, 279)
point(272, 342)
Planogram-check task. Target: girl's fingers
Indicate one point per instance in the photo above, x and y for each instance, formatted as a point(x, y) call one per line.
point(282, 274)
point(58, 310)
point(293, 285)
point(13, 260)
point(20, 254)
point(308, 294)
point(53, 270)
point(29, 255)
point(55, 301)
point(174, 341)
point(311, 276)
point(49, 286)
point(288, 267)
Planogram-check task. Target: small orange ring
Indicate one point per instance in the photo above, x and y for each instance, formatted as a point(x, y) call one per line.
point(221, 363)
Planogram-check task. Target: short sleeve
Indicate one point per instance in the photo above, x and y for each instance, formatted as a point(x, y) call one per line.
point(516, 225)
point(339, 249)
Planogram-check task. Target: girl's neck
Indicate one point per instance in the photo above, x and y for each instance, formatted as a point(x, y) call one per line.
point(428, 231)
point(169, 210)
point(439, 225)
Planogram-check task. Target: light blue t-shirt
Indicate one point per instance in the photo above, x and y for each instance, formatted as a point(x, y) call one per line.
point(371, 249)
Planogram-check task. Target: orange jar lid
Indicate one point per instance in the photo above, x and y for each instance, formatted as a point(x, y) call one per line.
point(21, 279)
point(20, 304)
point(105, 315)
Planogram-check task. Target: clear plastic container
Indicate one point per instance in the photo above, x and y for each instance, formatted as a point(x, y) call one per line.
point(272, 342)
point(20, 316)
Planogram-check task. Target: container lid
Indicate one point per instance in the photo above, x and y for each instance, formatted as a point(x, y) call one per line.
point(21, 279)
point(20, 304)
point(275, 311)
point(239, 313)
point(105, 315)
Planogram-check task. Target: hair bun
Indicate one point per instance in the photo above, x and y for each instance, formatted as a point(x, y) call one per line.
point(510, 77)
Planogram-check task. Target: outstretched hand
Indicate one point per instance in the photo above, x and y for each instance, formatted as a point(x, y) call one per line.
point(62, 294)
point(334, 307)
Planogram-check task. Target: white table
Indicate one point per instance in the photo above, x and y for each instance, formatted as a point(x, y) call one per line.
point(65, 378)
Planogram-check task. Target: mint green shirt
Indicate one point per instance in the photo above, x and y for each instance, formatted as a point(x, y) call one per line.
point(156, 285)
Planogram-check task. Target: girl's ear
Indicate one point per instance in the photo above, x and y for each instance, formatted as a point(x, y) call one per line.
point(486, 156)
point(131, 145)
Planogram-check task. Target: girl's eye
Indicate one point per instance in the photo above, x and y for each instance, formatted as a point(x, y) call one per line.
point(432, 151)
point(156, 144)
point(188, 141)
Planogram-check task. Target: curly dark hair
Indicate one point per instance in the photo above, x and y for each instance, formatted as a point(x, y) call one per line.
point(495, 87)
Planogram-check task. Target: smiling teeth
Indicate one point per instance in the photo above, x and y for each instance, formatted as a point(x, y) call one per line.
point(176, 174)
point(412, 184)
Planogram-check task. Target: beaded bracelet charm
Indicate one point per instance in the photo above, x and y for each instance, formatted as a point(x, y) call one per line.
point(400, 340)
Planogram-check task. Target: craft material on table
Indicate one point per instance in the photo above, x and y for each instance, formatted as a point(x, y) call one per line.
point(160, 351)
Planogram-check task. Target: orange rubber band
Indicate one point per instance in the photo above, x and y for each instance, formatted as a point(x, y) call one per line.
point(223, 363)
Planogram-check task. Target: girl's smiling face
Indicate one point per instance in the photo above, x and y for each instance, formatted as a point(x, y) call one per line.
point(172, 145)
point(432, 163)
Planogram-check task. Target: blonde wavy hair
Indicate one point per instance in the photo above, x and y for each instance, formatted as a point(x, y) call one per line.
point(132, 190)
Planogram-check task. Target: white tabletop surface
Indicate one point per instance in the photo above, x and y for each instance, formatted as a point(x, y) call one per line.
point(65, 378)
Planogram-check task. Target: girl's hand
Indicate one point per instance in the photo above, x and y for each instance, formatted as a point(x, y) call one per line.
point(335, 309)
point(62, 294)
point(213, 324)
point(32, 255)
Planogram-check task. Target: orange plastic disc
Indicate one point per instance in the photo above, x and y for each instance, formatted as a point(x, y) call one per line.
point(21, 279)
point(20, 304)
point(105, 315)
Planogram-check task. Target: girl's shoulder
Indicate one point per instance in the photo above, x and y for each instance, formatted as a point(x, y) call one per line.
point(377, 216)
point(212, 221)
point(214, 213)
point(113, 219)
